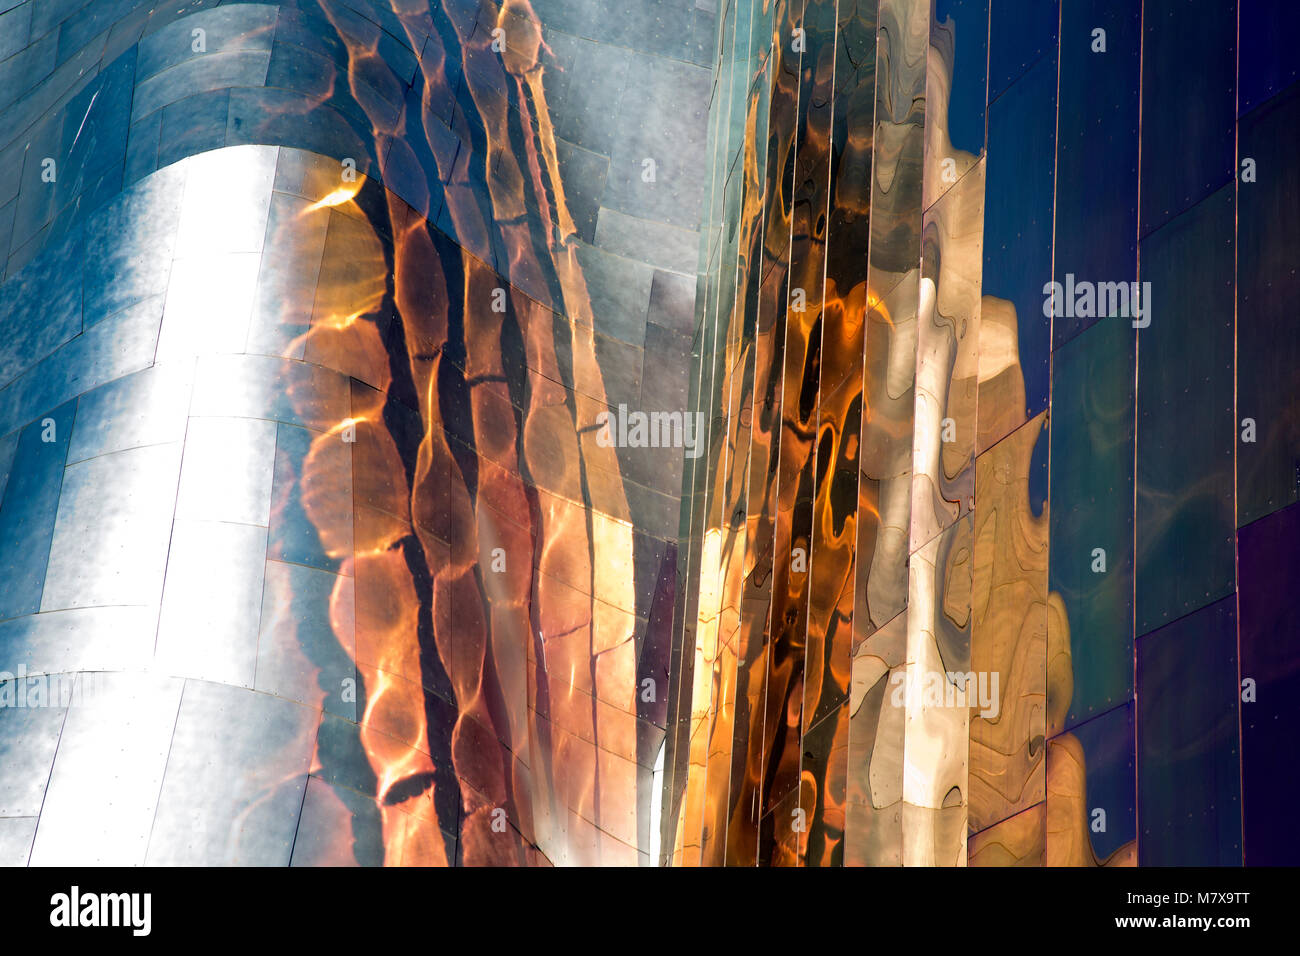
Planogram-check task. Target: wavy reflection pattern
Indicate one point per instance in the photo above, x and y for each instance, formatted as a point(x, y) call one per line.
point(920, 678)
point(336, 481)
point(307, 497)
point(864, 353)
point(700, 836)
point(489, 516)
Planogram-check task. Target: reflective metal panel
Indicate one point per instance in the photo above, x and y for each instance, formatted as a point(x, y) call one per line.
point(1022, 32)
point(1267, 62)
point(802, 356)
point(119, 345)
point(629, 443)
point(234, 799)
point(873, 834)
point(28, 509)
point(226, 471)
point(117, 274)
point(959, 37)
point(1015, 331)
point(28, 742)
point(1267, 560)
point(947, 359)
point(338, 828)
point(1183, 558)
point(1097, 153)
point(1009, 609)
point(833, 574)
point(1016, 841)
point(1090, 610)
point(1091, 780)
point(145, 408)
point(1268, 353)
point(16, 834)
point(1189, 52)
point(111, 534)
point(212, 601)
point(1188, 742)
point(92, 638)
point(305, 647)
point(934, 692)
point(103, 790)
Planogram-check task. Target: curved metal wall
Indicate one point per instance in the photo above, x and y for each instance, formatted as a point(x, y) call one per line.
point(316, 555)
point(319, 547)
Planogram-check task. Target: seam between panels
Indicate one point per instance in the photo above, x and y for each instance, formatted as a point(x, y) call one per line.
point(1137, 345)
point(1236, 443)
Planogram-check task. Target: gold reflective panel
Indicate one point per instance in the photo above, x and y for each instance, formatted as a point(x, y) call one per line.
point(882, 562)
point(532, 673)
point(1009, 637)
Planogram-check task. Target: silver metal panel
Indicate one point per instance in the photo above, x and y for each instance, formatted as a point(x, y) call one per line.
point(144, 408)
point(212, 601)
point(100, 804)
point(110, 537)
point(286, 285)
point(37, 314)
point(16, 840)
point(129, 245)
point(30, 508)
point(216, 71)
point(235, 777)
point(226, 470)
point(227, 196)
point(299, 654)
point(93, 638)
point(28, 738)
point(117, 346)
point(209, 303)
point(258, 386)
point(239, 27)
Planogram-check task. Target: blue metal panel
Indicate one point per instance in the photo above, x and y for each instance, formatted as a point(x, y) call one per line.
point(31, 501)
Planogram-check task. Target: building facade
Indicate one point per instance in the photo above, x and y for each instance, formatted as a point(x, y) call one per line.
point(985, 561)
point(599, 432)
